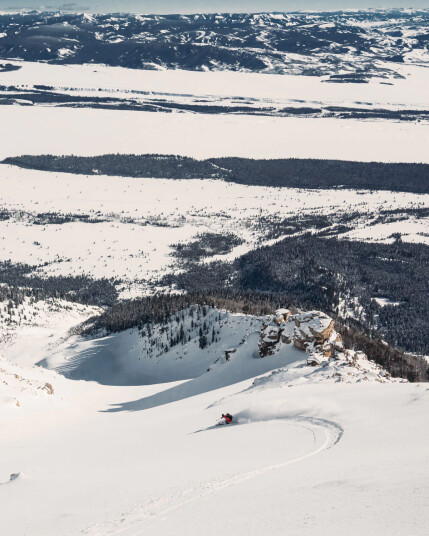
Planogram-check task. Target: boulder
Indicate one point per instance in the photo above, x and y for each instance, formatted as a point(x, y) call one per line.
point(281, 315)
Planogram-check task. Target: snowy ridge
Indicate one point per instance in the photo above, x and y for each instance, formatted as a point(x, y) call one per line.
point(354, 367)
point(181, 348)
point(211, 349)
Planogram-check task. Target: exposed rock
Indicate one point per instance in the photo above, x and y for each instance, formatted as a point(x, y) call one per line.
point(229, 352)
point(282, 315)
point(314, 332)
point(310, 331)
point(48, 388)
point(270, 336)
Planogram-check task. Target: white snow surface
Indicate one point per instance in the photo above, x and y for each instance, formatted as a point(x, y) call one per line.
point(80, 131)
point(306, 451)
point(129, 446)
point(408, 92)
point(34, 327)
point(25, 387)
point(128, 358)
point(57, 130)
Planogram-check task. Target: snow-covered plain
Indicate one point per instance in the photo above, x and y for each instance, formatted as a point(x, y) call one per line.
point(141, 250)
point(40, 130)
point(222, 87)
point(57, 130)
point(80, 131)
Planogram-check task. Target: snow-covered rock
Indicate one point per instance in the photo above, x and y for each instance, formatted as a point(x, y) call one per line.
point(20, 386)
point(310, 330)
point(314, 332)
point(347, 367)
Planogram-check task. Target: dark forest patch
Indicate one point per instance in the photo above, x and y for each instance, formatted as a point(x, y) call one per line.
point(206, 245)
point(329, 275)
point(288, 173)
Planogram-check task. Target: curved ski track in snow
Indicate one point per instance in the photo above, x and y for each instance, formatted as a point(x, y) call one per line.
point(326, 434)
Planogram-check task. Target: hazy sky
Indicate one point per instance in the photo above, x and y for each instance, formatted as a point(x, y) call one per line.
point(195, 6)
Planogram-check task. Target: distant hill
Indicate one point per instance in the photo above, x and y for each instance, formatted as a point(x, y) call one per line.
point(299, 43)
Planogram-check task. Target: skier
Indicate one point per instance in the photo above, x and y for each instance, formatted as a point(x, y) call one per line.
point(226, 418)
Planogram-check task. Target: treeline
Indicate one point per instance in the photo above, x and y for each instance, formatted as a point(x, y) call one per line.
point(159, 308)
point(138, 166)
point(290, 173)
point(335, 276)
point(313, 173)
point(18, 281)
point(143, 313)
point(398, 363)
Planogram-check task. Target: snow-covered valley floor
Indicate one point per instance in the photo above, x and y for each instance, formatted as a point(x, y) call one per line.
point(140, 219)
point(141, 249)
point(45, 129)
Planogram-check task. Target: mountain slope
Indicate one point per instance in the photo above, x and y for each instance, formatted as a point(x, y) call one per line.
point(299, 43)
point(304, 452)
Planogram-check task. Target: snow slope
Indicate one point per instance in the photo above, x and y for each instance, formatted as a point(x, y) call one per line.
point(29, 387)
point(323, 449)
point(131, 358)
point(30, 329)
point(123, 442)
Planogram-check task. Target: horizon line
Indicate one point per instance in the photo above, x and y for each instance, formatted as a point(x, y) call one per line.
point(268, 12)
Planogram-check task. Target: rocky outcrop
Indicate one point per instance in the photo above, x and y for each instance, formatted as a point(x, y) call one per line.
point(314, 332)
point(311, 331)
point(229, 353)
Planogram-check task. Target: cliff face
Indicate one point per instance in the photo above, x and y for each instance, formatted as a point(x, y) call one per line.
point(311, 331)
point(314, 332)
